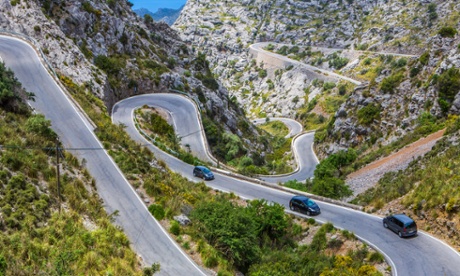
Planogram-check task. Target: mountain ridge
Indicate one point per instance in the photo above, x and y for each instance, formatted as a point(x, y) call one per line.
point(169, 16)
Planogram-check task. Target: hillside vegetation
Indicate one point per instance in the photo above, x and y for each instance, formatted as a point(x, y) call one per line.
point(406, 55)
point(230, 242)
point(40, 234)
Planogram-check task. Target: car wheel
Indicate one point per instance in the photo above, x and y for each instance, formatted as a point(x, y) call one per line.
point(194, 174)
point(400, 234)
point(385, 225)
point(308, 213)
point(291, 207)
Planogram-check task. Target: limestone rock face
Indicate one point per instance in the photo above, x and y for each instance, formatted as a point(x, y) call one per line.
point(224, 30)
point(72, 34)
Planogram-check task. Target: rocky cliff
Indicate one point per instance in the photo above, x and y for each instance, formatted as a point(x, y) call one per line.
point(106, 48)
point(395, 48)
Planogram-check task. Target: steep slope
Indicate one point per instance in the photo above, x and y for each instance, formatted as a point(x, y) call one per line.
point(406, 55)
point(105, 48)
point(401, 88)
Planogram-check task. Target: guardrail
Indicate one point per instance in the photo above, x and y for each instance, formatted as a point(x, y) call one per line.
point(286, 189)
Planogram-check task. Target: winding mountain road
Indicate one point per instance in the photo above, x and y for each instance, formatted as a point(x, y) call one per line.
point(259, 47)
point(147, 236)
point(422, 255)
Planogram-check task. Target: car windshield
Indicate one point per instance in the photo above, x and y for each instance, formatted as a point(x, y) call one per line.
point(310, 203)
point(206, 170)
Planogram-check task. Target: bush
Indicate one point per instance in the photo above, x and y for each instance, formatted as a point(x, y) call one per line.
point(39, 125)
point(390, 83)
point(210, 82)
point(376, 257)
point(368, 114)
point(157, 211)
point(331, 187)
point(424, 58)
point(400, 63)
point(175, 228)
point(283, 50)
point(449, 85)
point(414, 71)
point(262, 73)
point(447, 32)
point(338, 62)
point(270, 47)
point(150, 271)
point(328, 85)
point(110, 65)
point(230, 229)
point(3, 265)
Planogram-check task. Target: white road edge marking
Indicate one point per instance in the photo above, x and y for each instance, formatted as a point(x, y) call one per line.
point(118, 169)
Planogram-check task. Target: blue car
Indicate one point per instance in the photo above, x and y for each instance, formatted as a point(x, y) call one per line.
point(203, 172)
point(305, 205)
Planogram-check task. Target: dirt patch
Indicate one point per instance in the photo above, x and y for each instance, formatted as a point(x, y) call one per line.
point(368, 176)
point(437, 221)
point(320, 111)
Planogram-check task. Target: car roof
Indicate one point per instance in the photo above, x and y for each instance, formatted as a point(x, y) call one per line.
point(200, 167)
point(403, 218)
point(300, 197)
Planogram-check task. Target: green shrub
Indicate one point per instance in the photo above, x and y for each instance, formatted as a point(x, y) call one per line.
point(148, 19)
point(338, 62)
point(390, 83)
point(367, 61)
point(175, 228)
point(150, 271)
point(229, 228)
point(414, 71)
point(362, 47)
point(447, 31)
point(270, 47)
point(262, 73)
point(328, 85)
point(331, 187)
point(110, 65)
point(38, 124)
point(157, 211)
point(431, 10)
point(424, 58)
point(448, 85)
point(342, 90)
point(3, 265)
point(283, 50)
point(400, 63)
point(368, 114)
point(295, 184)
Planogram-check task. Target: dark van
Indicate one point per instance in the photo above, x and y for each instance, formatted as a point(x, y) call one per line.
point(203, 172)
point(401, 224)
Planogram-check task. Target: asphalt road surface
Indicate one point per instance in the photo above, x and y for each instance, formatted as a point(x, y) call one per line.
point(420, 255)
point(148, 238)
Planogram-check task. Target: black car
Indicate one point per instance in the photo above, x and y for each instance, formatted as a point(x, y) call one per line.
point(401, 224)
point(203, 172)
point(305, 205)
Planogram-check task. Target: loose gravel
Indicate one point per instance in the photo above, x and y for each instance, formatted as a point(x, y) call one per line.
point(368, 176)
